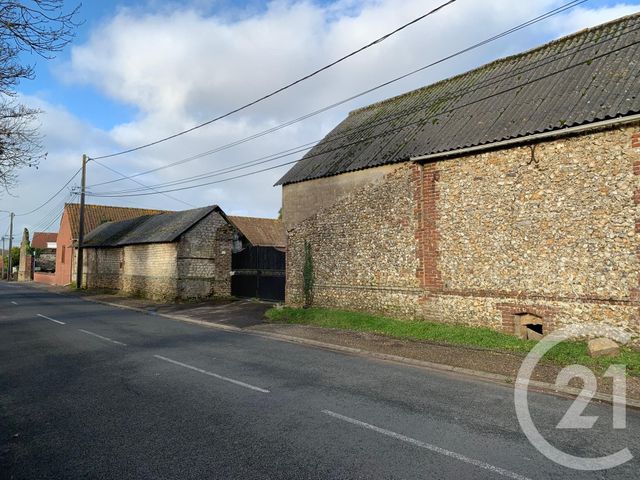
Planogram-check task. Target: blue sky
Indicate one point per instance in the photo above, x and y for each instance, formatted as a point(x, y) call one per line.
point(140, 70)
point(86, 101)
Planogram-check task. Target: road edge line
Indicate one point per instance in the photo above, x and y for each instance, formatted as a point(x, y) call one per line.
point(504, 380)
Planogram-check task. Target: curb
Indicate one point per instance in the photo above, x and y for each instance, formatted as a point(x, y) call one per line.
point(542, 387)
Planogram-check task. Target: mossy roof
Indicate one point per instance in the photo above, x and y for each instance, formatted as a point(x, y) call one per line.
point(589, 76)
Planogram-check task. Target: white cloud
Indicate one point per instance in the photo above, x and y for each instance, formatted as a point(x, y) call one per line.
point(179, 67)
point(583, 17)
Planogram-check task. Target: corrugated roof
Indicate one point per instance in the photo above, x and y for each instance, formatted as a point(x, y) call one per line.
point(96, 215)
point(586, 77)
point(159, 228)
point(261, 232)
point(40, 239)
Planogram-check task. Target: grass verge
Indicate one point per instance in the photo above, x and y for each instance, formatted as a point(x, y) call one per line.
point(566, 353)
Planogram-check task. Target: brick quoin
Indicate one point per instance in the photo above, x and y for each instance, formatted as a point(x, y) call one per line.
point(635, 140)
point(425, 181)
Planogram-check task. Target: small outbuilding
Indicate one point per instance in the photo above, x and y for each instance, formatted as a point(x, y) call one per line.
point(177, 255)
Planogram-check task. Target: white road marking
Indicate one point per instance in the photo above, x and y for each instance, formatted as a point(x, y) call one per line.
point(214, 375)
point(106, 339)
point(52, 319)
point(428, 446)
point(15, 303)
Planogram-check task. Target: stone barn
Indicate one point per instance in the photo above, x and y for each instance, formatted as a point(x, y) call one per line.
point(506, 197)
point(177, 255)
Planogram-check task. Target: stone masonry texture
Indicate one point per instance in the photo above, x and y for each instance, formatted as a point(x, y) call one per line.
point(197, 266)
point(548, 229)
point(204, 259)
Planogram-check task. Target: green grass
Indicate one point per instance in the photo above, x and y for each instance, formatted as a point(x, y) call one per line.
point(566, 353)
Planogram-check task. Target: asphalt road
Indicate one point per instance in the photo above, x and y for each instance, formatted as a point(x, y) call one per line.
point(91, 391)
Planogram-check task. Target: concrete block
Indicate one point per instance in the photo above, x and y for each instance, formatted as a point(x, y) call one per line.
point(603, 347)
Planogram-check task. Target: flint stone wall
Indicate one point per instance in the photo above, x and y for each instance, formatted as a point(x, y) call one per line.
point(195, 267)
point(204, 259)
point(363, 249)
point(102, 268)
point(549, 229)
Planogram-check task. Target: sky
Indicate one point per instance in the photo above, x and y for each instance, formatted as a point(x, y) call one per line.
point(140, 70)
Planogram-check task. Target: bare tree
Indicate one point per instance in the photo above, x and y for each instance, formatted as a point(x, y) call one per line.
point(43, 28)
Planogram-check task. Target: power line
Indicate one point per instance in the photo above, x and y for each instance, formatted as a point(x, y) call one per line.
point(587, 61)
point(52, 197)
point(514, 29)
point(354, 132)
point(57, 217)
point(47, 216)
point(222, 171)
point(142, 184)
point(286, 87)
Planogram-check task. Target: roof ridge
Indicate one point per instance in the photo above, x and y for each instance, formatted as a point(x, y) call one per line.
point(116, 206)
point(255, 218)
point(498, 61)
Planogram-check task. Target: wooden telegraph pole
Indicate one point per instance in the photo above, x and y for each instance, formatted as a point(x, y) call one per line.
point(10, 246)
point(81, 226)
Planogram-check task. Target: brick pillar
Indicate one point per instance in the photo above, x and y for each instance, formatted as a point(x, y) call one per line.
point(425, 182)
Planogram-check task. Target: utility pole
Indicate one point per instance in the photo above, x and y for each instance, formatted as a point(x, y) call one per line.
point(81, 226)
point(10, 246)
point(3, 265)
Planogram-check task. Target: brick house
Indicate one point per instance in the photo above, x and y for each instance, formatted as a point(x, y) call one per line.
point(503, 195)
point(95, 215)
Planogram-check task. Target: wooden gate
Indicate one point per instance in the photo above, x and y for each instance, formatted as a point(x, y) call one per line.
point(258, 272)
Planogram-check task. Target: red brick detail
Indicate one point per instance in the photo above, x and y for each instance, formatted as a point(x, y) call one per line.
point(634, 294)
point(635, 140)
point(425, 184)
point(511, 310)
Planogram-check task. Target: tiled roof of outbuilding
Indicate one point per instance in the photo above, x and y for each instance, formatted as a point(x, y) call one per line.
point(261, 232)
point(96, 215)
point(586, 77)
point(160, 228)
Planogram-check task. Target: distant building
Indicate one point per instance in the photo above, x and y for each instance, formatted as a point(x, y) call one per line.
point(257, 232)
point(44, 244)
